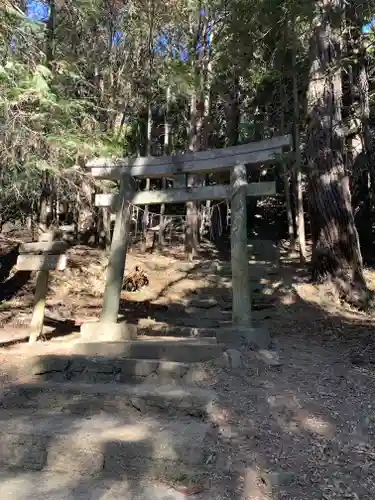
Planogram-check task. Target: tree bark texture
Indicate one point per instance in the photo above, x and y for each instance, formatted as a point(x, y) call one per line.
point(166, 152)
point(336, 250)
point(286, 173)
point(192, 215)
point(196, 127)
point(299, 207)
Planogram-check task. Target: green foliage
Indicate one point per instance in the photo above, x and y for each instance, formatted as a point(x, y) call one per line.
point(45, 124)
point(91, 98)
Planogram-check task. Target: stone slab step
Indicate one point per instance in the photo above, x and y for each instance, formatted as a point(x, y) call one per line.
point(105, 369)
point(210, 339)
point(49, 486)
point(109, 357)
point(179, 349)
point(99, 445)
point(122, 399)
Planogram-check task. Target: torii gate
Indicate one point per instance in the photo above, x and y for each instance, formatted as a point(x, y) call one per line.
point(234, 158)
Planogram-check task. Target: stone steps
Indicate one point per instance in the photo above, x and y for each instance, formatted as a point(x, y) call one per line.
point(57, 425)
point(158, 359)
point(179, 349)
point(100, 445)
point(49, 486)
point(76, 398)
point(105, 369)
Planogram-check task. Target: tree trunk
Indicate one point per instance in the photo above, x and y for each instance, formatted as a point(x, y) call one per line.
point(356, 111)
point(166, 152)
point(50, 44)
point(206, 98)
point(288, 204)
point(151, 19)
point(147, 188)
point(43, 213)
point(233, 113)
point(43, 221)
point(196, 128)
point(50, 34)
point(300, 214)
point(192, 222)
point(86, 216)
point(359, 84)
point(336, 250)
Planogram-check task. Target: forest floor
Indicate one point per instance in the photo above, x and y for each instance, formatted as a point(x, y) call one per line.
point(302, 431)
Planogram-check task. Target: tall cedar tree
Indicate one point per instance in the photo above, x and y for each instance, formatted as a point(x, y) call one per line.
point(336, 251)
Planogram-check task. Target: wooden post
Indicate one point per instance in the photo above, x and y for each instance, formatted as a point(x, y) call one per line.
point(36, 326)
point(41, 257)
point(116, 264)
point(241, 311)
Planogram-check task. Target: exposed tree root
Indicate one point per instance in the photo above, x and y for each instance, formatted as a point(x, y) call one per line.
point(348, 283)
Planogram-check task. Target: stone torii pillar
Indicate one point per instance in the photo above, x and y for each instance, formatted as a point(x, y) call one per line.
point(108, 329)
point(241, 306)
point(241, 331)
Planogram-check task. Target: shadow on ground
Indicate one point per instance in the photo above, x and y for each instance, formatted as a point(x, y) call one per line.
point(306, 430)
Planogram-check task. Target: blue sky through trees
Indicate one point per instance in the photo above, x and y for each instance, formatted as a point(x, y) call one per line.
point(36, 9)
point(39, 11)
point(366, 28)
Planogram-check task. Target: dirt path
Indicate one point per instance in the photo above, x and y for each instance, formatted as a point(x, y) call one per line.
point(305, 431)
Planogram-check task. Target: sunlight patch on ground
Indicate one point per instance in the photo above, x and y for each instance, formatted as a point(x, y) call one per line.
point(322, 297)
point(316, 425)
point(135, 432)
point(292, 417)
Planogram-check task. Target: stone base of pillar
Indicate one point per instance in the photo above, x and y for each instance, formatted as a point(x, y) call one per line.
point(97, 331)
